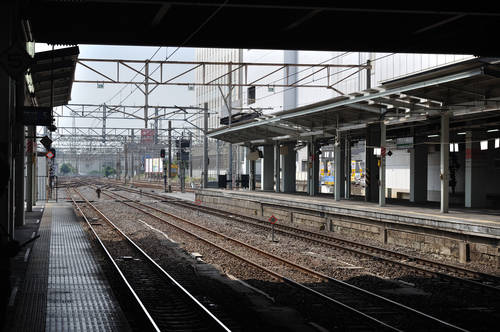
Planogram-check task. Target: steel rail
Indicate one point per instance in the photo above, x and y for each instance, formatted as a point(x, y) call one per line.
point(302, 268)
point(159, 269)
point(275, 274)
point(341, 244)
point(129, 288)
point(259, 251)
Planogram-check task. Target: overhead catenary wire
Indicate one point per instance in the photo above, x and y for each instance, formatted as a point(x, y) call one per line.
point(168, 56)
point(323, 77)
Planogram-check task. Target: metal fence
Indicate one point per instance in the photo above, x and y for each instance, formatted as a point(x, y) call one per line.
point(42, 184)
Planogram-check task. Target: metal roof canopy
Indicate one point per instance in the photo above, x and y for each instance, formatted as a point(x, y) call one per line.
point(464, 28)
point(462, 88)
point(462, 93)
point(54, 71)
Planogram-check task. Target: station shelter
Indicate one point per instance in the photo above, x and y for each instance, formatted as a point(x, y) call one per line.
point(451, 111)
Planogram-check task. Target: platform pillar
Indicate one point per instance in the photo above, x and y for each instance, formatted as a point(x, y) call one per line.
point(315, 169)
point(381, 192)
point(338, 170)
point(475, 166)
point(312, 169)
point(277, 166)
point(29, 168)
point(289, 161)
point(371, 163)
point(20, 136)
point(310, 156)
point(268, 174)
point(251, 175)
point(205, 146)
point(445, 155)
point(347, 168)
point(342, 174)
point(6, 113)
point(418, 171)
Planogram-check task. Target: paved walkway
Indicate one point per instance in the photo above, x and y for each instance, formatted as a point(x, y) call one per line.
point(64, 288)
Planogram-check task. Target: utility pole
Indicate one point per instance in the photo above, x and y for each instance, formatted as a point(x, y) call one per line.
point(217, 163)
point(146, 94)
point(169, 155)
point(205, 146)
point(190, 158)
point(104, 123)
point(132, 165)
point(156, 126)
point(126, 160)
point(181, 162)
point(229, 110)
point(118, 166)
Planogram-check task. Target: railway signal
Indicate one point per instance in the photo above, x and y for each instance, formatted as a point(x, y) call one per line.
point(273, 220)
point(46, 142)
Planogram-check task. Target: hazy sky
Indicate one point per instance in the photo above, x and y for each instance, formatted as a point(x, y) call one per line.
point(86, 93)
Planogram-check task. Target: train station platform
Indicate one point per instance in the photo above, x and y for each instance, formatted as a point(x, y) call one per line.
point(58, 284)
point(463, 234)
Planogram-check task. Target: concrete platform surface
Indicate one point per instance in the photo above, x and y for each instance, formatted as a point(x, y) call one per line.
point(187, 196)
point(63, 288)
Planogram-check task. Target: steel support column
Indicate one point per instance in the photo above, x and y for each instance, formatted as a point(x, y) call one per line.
point(445, 155)
point(338, 169)
point(418, 171)
point(347, 168)
point(381, 188)
point(19, 154)
point(6, 90)
point(170, 151)
point(338, 166)
point(29, 168)
point(205, 145)
point(289, 168)
point(230, 115)
point(251, 176)
point(277, 166)
point(146, 94)
point(267, 182)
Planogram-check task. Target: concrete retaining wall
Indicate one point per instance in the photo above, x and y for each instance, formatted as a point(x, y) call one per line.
point(449, 243)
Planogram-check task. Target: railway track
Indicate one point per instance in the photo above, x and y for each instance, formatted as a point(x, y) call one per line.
point(419, 265)
point(155, 185)
point(372, 308)
point(163, 303)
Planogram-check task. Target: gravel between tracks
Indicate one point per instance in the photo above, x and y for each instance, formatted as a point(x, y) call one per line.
point(429, 295)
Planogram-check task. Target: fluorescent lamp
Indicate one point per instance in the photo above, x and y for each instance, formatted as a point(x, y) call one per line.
point(461, 133)
point(312, 133)
point(491, 130)
point(434, 135)
point(258, 141)
point(282, 137)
